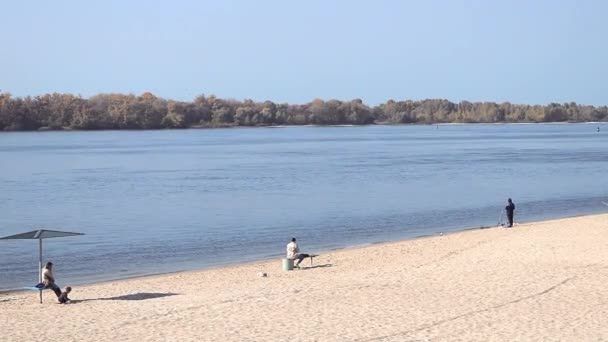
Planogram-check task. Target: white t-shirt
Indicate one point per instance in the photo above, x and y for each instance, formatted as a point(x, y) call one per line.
point(292, 250)
point(47, 276)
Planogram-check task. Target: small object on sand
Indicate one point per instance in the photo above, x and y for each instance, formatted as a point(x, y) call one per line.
point(441, 234)
point(262, 274)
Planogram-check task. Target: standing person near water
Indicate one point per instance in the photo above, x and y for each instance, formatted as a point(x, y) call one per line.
point(48, 279)
point(510, 208)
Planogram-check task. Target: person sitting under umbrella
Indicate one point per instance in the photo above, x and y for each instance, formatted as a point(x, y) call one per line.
point(48, 279)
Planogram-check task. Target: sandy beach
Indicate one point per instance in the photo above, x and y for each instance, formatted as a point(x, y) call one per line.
point(543, 281)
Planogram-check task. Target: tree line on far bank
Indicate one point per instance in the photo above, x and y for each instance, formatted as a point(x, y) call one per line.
point(147, 111)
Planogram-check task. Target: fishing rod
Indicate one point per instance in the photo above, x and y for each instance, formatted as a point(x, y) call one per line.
point(500, 216)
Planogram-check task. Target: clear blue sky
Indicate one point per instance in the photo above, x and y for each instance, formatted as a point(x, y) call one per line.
point(294, 51)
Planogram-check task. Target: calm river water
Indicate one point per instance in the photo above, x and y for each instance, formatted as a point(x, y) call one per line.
point(156, 201)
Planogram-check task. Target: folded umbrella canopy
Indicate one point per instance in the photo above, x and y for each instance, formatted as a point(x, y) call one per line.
point(39, 235)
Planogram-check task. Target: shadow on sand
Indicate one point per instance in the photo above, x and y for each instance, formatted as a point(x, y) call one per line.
point(134, 296)
point(316, 266)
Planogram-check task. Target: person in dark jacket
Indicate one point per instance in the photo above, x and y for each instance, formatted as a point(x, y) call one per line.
point(510, 208)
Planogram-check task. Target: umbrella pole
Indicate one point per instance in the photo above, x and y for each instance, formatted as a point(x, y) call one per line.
point(40, 266)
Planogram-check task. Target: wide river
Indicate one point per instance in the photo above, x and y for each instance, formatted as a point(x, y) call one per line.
point(160, 201)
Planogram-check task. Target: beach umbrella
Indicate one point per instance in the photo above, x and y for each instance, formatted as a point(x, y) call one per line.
point(39, 235)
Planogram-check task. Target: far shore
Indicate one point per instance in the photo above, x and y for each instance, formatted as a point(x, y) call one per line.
point(204, 127)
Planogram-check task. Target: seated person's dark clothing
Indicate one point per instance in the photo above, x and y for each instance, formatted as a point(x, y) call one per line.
point(63, 298)
point(55, 289)
point(49, 282)
point(301, 257)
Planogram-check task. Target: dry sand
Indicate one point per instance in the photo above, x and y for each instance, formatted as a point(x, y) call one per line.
point(542, 281)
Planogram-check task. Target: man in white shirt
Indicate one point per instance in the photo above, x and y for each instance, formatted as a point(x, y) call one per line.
point(48, 279)
point(293, 252)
